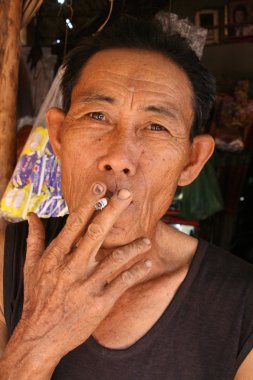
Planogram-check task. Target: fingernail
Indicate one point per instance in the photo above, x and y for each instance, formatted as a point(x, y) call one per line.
point(146, 241)
point(97, 188)
point(148, 263)
point(123, 194)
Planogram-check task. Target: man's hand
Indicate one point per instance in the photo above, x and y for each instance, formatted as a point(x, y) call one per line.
point(66, 295)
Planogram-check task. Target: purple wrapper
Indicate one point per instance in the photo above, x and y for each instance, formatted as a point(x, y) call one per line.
point(21, 176)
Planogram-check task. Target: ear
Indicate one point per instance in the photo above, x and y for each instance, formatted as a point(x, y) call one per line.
point(55, 118)
point(200, 151)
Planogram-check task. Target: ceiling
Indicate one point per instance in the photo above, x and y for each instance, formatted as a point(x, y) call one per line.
point(49, 24)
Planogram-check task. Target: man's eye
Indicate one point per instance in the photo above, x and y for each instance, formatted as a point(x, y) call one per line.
point(97, 115)
point(157, 127)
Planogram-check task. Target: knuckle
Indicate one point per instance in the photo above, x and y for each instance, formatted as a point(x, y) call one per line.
point(95, 231)
point(118, 256)
point(36, 229)
point(134, 274)
point(74, 221)
point(33, 245)
point(49, 260)
point(67, 272)
point(127, 278)
point(140, 246)
point(140, 270)
point(58, 247)
point(35, 237)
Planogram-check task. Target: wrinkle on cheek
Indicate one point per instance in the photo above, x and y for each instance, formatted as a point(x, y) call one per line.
point(132, 98)
point(75, 179)
point(159, 194)
point(147, 215)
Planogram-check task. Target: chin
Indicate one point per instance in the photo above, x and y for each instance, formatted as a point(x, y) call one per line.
point(118, 237)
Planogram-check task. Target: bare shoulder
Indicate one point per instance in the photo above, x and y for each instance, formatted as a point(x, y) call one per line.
point(245, 371)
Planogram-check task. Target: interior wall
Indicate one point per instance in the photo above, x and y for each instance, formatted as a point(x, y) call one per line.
point(230, 62)
point(227, 60)
point(188, 8)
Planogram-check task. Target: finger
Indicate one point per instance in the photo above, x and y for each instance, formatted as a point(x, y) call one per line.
point(119, 258)
point(75, 224)
point(126, 280)
point(35, 242)
point(99, 228)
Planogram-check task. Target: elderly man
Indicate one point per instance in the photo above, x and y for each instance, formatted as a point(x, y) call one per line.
point(117, 294)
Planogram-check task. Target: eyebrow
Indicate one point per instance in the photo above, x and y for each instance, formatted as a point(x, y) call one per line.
point(162, 110)
point(91, 96)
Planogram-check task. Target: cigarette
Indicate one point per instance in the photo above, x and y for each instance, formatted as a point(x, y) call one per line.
point(101, 203)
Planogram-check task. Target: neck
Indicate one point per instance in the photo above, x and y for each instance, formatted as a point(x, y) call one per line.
point(170, 249)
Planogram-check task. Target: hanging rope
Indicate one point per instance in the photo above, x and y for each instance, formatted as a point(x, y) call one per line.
point(108, 17)
point(68, 4)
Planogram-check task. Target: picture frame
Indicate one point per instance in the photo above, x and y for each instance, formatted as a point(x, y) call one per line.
point(209, 19)
point(239, 20)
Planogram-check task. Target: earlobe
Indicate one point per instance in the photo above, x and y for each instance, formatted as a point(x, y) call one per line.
point(201, 150)
point(55, 118)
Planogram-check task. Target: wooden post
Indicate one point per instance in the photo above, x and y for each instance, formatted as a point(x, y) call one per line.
point(10, 21)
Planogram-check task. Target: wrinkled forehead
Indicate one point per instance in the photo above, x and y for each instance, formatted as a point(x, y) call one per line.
point(146, 73)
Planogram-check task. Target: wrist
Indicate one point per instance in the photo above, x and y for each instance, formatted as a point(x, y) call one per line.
point(15, 366)
point(25, 360)
point(23, 371)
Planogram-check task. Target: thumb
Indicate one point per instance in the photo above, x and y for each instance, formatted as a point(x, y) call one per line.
point(35, 241)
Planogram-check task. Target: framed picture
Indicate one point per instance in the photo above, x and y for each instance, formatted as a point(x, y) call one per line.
point(209, 19)
point(240, 19)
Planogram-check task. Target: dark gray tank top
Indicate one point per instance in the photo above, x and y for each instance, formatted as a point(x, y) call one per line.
point(204, 334)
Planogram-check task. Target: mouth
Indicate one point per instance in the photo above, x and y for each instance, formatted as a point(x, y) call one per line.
point(108, 194)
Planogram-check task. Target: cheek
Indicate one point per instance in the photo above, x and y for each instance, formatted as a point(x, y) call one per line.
point(166, 164)
point(77, 170)
point(162, 172)
point(78, 152)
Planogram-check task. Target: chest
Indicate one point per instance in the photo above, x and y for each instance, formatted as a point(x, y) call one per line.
point(137, 311)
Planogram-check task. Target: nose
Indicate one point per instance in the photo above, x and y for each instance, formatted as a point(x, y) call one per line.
point(118, 160)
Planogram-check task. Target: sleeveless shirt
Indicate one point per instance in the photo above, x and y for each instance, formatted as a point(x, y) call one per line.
point(204, 334)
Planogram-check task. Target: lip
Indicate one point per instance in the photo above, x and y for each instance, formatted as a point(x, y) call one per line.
point(109, 194)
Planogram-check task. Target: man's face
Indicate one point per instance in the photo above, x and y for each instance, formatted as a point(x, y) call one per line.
point(128, 126)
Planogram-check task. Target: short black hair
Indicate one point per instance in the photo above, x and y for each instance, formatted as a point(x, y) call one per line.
point(145, 34)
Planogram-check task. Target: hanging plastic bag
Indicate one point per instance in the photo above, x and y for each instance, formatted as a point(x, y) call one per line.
point(36, 181)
